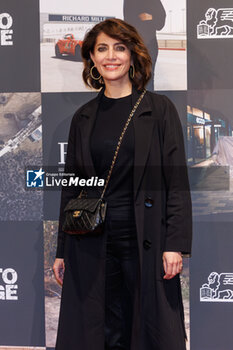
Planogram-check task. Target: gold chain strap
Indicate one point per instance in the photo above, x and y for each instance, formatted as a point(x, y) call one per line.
point(120, 140)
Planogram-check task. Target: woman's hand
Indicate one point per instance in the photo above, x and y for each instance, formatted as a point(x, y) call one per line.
point(172, 264)
point(59, 269)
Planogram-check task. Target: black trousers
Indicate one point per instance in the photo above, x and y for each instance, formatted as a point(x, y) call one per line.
point(121, 277)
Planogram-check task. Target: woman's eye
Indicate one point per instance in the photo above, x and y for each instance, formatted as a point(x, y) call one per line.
point(120, 48)
point(100, 49)
point(117, 48)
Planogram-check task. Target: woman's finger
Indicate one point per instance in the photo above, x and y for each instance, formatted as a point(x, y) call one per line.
point(58, 269)
point(173, 263)
point(168, 274)
point(175, 268)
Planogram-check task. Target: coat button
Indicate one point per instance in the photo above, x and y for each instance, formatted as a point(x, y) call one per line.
point(146, 244)
point(148, 202)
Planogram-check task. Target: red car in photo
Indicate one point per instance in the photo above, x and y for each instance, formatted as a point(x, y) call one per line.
point(69, 46)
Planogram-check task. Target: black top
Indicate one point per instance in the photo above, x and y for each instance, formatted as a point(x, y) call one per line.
point(110, 120)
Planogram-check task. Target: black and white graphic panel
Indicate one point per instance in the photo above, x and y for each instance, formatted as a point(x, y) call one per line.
point(20, 146)
point(210, 44)
point(211, 286)
point(19, 46)
point(21, 284)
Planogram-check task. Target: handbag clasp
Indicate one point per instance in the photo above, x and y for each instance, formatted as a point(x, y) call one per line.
point(76, 213)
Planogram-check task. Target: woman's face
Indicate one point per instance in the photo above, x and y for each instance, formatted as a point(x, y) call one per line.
point(112, 58)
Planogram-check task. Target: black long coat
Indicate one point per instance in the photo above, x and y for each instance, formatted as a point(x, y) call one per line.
point(162, 207)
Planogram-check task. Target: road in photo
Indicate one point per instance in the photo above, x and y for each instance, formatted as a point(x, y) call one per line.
point(170, 70)
point(60, 74)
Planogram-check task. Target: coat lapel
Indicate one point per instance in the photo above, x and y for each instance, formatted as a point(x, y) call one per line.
point(143, 128)
point(87, 122)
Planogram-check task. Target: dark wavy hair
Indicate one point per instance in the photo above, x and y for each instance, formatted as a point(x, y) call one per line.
point(124, 32)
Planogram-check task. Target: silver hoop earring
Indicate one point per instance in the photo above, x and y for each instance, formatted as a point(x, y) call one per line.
point(91, 73)
point(132, 71)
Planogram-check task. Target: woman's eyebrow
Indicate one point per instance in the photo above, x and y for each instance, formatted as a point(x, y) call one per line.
point(103, 44)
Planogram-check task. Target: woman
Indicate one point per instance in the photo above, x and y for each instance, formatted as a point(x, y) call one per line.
point(121, 288)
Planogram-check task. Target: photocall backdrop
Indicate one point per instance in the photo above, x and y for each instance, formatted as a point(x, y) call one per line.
point(191, 45)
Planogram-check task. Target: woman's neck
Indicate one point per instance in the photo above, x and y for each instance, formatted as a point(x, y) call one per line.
point(117, 91)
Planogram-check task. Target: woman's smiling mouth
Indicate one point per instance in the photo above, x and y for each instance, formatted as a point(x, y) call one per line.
point(111, 66)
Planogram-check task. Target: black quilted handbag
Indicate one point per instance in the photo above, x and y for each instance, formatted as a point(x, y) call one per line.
point(82, 214)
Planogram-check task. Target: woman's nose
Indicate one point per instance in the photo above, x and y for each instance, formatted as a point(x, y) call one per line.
point(111, 53)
